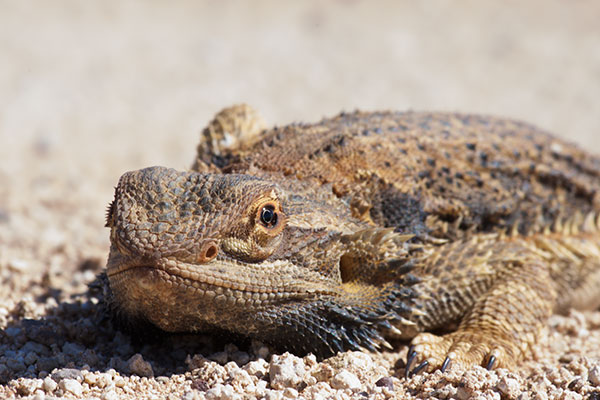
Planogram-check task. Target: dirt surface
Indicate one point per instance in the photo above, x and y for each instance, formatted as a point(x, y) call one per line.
point(89, 90)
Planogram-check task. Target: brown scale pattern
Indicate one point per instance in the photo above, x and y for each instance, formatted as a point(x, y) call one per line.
point(329, 236)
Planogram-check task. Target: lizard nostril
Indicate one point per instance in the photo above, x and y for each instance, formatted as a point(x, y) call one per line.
point(208, 252)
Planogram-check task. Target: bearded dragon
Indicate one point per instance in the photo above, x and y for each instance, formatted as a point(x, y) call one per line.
point(336, 235)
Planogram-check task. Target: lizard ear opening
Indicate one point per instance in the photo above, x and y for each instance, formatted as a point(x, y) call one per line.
point(374, 255)
point(347, 268)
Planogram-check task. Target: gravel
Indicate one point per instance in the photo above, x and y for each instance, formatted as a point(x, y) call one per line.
point(92, 89)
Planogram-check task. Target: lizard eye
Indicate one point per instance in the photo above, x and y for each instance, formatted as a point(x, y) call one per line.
point(268, 216)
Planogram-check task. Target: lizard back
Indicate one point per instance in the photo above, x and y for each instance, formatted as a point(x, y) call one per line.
point(432, 173)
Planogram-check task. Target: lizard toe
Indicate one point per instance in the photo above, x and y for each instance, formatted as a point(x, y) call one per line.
point(429, 352)
point(425, 353)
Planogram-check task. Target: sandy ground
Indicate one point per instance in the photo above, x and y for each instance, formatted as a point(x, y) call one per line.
point(89, 90)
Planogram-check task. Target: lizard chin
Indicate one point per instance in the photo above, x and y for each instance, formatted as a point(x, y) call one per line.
point(182, 297)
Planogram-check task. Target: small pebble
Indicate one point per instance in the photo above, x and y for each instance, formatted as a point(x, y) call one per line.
point(137, 365)
point(200, 384)
point(33, 347)
point(509, 387)
point(71, 385)
point(290, 393)
point(464, 393)
point(386, 382)
point(189, 395)
point(27, 387)
point(90, 378)
point(120, 382)
point(345, 380)
point(241, 378)
point(73, 349)
point(13, 331)
point(103, 380)
point(49, 385)
point(568, 395)
point(240, 357)
point(540, 396)
point(273, 395)
point(197, 361)
point(258, 368)
point(222, 392)
point(263, 352)
point(67, 373)
point(47, 363)
point(219, 357)
point(18, 265)
point(109, 395)
point(594, 375)
point(286, 370)
point(31, 358)
point(17, 365)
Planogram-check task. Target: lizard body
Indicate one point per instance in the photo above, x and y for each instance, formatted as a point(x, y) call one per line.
point(331, 236)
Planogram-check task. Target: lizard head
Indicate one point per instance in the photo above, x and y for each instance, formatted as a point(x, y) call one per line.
point(196, 252)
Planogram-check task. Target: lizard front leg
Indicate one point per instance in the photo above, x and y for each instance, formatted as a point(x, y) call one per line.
point(500, 327)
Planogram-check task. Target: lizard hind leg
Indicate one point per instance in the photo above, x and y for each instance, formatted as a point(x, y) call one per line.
point(500, 327)
point(231, 130)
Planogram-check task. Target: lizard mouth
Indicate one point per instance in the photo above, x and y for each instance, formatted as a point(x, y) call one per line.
point(220, 274)
point(177, 296)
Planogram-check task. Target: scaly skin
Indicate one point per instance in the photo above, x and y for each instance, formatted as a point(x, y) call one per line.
point(331, 236)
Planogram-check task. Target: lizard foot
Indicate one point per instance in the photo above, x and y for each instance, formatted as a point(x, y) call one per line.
point(429, 352)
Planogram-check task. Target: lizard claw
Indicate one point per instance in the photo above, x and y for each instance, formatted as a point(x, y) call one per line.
point(420, 368)
point(490, 363)
point(410, 360)
point(446, 363)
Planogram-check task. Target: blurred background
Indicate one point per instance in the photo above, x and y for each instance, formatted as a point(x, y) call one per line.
point(90, 89)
